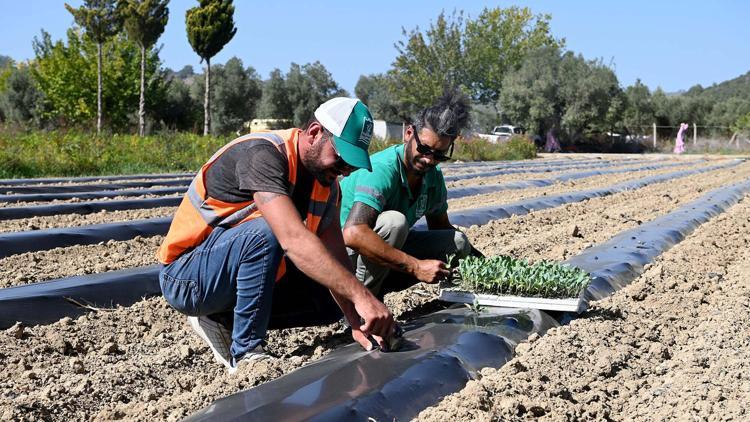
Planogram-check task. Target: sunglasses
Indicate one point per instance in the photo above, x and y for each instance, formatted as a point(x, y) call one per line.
point(340, 164)
point(436, 154)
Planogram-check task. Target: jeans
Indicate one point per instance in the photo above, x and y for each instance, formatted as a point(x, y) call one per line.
point(392, 227)
point(233, 273)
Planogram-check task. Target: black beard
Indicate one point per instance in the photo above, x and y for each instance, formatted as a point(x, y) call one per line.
point(409, 155)
point(313, 166)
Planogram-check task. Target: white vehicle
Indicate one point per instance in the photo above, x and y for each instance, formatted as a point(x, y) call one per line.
point(502, 133)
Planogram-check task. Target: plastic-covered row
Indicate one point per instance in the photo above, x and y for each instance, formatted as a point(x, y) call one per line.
point(541, 170)
point(14, 243)
point(462, 191)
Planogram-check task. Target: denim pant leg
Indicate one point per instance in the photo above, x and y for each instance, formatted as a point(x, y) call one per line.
point(233, 269)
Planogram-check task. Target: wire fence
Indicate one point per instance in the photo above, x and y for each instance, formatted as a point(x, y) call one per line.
point(697, 138)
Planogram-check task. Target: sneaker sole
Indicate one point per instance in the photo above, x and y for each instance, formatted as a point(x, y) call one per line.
point(219, 337)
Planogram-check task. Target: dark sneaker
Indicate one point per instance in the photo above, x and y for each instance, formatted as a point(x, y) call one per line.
point(218, 337)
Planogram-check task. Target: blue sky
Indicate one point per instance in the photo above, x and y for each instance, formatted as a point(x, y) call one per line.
point(672, 44)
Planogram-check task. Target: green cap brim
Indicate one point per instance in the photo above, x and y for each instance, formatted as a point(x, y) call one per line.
point(353, 155)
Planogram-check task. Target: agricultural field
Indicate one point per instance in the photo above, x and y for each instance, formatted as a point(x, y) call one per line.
point(95, 341)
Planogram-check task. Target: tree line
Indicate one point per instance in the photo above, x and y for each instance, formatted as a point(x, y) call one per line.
point(505, 59)
point(516, 72)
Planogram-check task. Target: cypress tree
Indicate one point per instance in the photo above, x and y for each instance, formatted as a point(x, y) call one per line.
point(210, 26)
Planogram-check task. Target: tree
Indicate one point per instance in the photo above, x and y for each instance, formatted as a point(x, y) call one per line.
point(210, 27)
point(373, 91)
point(471, 54)
point(726, 112)
point(531, 94)
point(639, 109)
point(427, 64)
point(308, 86)
point(5, 61)
point(67, 73)
point(740, 127)
point(101, 21)
point(274, 103)
point(552, 91)
point(237, 93)
point(144, 22)
point(179, 110)
point(497, 41)
point(20, 97)
point(587, 88)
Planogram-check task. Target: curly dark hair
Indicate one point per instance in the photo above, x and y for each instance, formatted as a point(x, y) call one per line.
point(447, 117)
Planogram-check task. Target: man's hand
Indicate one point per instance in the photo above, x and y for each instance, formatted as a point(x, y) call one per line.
point(431, 270)
point(378, 321)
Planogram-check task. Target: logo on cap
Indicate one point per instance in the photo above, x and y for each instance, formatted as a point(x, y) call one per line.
point(366, 135)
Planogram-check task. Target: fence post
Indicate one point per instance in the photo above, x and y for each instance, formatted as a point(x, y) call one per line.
point(654, 135)
point(695, 134)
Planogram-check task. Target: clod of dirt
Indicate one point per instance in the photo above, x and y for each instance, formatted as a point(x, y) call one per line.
point(17, 330)
point(76, 365)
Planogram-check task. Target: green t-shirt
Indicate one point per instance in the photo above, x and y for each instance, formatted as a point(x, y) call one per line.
point(386, 188)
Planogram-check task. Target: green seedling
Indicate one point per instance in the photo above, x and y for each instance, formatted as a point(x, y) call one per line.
point(475, 306)
point(504, 275)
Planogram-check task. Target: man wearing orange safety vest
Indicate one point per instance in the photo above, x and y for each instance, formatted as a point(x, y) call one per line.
point(256, 242)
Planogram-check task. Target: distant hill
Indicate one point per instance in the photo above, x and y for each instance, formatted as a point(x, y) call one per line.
point(738, 87)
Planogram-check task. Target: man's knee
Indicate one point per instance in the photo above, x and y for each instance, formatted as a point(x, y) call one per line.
point(392, 227)
point(463, 246)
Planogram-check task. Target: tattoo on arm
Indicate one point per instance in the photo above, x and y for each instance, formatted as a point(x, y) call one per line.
point(265, 197)
point(361, 214)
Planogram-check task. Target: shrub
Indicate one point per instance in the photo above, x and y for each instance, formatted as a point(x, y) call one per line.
point(478, 149)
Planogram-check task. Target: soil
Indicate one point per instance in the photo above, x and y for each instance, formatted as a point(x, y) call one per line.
point(672, 345)
point(143, 362)
point(78, 260)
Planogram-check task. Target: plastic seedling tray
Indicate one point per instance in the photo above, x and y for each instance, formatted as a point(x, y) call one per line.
point(453, 294)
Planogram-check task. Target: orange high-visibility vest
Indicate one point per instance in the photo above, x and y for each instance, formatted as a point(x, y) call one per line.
point(199, 213)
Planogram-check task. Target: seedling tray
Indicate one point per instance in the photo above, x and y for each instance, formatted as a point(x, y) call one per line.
point(577, 305)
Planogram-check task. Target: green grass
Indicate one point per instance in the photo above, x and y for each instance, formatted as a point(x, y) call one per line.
point(71, 153)
point(504, 275)
point(77, 153)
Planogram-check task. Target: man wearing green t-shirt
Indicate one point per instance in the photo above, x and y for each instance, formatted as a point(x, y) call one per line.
point(379, 208)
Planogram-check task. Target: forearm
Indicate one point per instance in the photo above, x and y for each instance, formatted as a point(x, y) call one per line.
point(310, 255)
point(370, 245)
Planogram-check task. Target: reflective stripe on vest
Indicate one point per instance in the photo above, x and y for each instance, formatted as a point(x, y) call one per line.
point(198, 213)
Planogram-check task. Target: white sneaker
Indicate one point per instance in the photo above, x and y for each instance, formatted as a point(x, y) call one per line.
point(254, 355)
point(218, 337)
